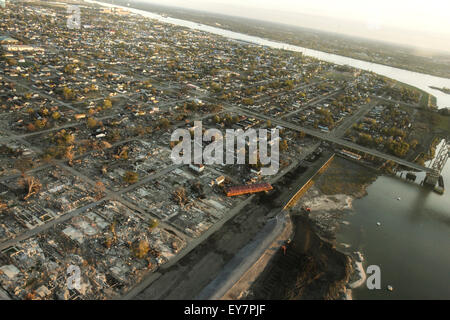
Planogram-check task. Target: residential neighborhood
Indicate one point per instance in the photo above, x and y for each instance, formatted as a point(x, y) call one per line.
point(86, 118)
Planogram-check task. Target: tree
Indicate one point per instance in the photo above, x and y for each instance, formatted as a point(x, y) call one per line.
point(399, 149)
point(153, 224)
point(109, 242)
point(100, 190)
point(248, 101)
point(56, 115)
point(365, 139)
point(69, 154)
point(70, 68)
point(131, 177)
point(68, 94)
point(40, 124)
point(107, 104)
point(31, 127)
point(179, 195)
point(379, 141)
point(164, 123)
point(289, 84)
point(114, 135)
point(141, 249)
point(31, 184)
point(11, 61)
point(44, 111)
point(284, 146)
point(3, 206)
point(92, 123)
point(122, 154)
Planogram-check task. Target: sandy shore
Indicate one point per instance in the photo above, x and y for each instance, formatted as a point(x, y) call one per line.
point(360, 271)
point(331, 210)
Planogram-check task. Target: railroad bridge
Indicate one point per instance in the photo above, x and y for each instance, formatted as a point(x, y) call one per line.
point(332, 139)
point(438, 164)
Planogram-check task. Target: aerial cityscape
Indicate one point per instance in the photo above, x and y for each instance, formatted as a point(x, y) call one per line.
point(94, 98)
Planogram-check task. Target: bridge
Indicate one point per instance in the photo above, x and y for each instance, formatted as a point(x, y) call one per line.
point(438, 164)
point(331, 139)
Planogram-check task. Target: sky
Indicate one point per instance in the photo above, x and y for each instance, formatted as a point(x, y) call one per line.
point(423, 23)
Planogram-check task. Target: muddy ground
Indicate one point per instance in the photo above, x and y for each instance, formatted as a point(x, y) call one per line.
point(312, 267)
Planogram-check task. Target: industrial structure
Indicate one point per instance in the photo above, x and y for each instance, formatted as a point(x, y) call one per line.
point(437, 166)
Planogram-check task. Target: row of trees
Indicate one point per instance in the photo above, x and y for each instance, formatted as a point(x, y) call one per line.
point(398, 148)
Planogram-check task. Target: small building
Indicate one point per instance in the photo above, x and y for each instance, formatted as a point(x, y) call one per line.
point(197, 167)
point(351, 154)
point(8, 40)
point(218, 181)
point(80, 116)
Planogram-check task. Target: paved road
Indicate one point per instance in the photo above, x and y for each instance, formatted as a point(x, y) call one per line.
point(312, 102)
point(409, 105)
point(42, 94)
point(66, 126)
point(347, 123)
point(46, 226)
point(300, 87)
point(244, 259)
point(330, 138)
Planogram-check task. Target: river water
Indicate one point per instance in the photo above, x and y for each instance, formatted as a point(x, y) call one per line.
point(412, 245)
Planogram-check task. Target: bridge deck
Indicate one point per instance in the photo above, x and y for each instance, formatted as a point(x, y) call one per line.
point(329, 138)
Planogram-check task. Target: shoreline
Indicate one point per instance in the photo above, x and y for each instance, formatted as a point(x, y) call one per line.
point(336, 52)
point(402, 74)
point(342, 268)
point(343, 207)
point(444, 90)
point(331, 208)
point(314, 239)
